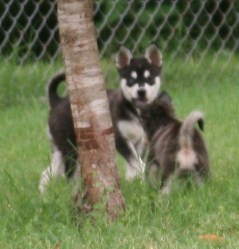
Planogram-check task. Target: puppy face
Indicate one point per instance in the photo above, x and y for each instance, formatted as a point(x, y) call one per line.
point(140, 77)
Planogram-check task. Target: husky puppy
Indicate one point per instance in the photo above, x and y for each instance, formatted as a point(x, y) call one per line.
point(175, 145)
point(139, 81)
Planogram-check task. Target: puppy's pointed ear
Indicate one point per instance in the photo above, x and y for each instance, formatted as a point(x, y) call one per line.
point(123, 57)
point(165, 98)
point(154, 55)
point(201, 124)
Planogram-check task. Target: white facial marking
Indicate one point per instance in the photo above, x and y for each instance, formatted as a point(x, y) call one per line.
point(129, 92)
point(134, 75)
point(152, 91)
point(146, 73)
point(157, 81)
point(123, 81)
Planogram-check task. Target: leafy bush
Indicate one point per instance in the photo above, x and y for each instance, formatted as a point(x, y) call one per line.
point(32, 25)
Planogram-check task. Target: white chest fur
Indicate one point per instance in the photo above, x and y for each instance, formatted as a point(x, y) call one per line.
point(132, 131)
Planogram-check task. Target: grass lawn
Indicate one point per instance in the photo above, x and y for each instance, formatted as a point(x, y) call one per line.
point(150, 221)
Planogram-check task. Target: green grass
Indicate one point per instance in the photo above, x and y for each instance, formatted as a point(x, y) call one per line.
point(28, 220)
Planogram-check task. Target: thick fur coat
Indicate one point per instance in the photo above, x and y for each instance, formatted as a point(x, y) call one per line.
point(175, 146)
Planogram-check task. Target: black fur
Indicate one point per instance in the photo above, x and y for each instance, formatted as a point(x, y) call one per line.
point(61, 123)
point(139, 81)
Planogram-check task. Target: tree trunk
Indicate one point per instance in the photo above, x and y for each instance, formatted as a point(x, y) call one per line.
point(90, 109)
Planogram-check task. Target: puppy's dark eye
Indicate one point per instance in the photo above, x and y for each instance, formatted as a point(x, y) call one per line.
point(130, 81)
point(150, 81)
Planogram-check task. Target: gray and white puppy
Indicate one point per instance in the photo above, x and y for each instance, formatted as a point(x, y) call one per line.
point(175, 146)
point(139, 81)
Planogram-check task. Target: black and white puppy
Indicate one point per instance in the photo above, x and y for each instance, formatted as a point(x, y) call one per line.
point(139, 81)
point(176, 146)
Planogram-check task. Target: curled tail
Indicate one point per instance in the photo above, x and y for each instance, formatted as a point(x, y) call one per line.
point(53, 97)
point(186, 156)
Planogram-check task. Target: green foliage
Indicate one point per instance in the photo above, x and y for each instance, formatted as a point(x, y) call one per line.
point(23, 86)
point(150, 221)
point(168, 22)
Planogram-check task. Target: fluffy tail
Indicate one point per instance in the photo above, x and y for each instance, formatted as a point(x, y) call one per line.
point(186, 156)
point(53, 97)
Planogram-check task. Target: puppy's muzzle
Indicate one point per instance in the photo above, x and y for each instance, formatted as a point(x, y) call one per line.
point(141, 94)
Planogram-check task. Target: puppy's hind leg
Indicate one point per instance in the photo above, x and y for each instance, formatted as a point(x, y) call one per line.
point(201, 174)
point(55, 169)
point(167, 177)
point(152, 174)
point(166, 185)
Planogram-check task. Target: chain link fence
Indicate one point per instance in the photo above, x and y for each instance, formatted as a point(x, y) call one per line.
point(182, 28)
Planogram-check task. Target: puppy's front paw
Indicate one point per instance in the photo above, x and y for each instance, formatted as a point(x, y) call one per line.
point(131, 173)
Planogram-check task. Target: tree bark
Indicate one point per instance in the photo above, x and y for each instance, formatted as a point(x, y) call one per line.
point(90, 108)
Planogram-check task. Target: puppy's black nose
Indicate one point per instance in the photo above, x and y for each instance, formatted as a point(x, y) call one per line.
point(141, 93)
